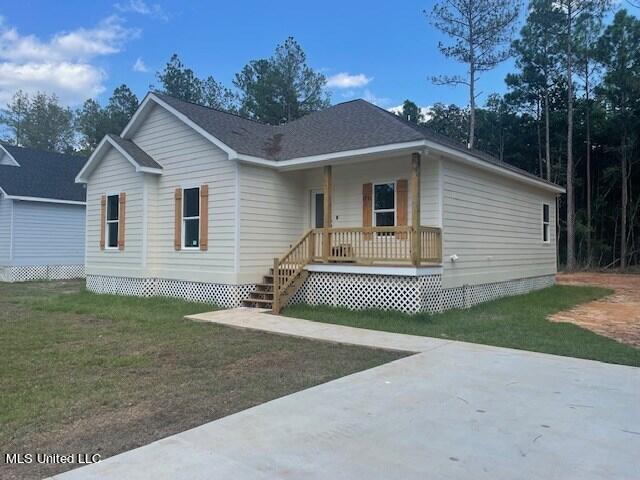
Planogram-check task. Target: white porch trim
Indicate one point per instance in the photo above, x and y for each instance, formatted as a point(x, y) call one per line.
point(374, 269)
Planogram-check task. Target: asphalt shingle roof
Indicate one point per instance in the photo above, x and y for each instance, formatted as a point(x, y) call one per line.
point(346, 126)
point(42, 175)
point(141, 157)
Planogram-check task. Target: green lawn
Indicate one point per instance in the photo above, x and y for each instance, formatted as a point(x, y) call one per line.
point(104, 374)
point(516, 322)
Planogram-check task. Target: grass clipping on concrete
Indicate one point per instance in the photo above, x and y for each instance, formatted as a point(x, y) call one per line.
point(104, 374)
point(515, 322)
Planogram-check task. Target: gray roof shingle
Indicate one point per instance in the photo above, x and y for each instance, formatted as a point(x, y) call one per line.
point(42, 175)
point(141, 157)
point(346, 126)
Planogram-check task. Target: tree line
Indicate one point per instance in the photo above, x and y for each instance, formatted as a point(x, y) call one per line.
point(570, 114)
point(274, 90)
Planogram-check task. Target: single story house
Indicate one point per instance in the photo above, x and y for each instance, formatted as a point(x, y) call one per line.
point(42, 215)
point(347, 206)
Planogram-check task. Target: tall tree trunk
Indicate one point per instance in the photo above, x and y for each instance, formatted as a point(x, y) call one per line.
point(472, 104)
point(547, 135)
point(623, 210)
point(588, 128)
point(571, 213)
point(540, 167)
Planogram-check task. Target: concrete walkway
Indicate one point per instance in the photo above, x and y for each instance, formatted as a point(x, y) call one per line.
point(452, 411)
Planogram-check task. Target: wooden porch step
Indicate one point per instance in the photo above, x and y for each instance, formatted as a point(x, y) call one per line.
point(260, 295)
point(257, 302)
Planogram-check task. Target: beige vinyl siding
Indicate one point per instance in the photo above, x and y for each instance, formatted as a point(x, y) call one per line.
point(114, 174)
point(430, 195)
point(188, 160)
point(271, 217)
point(494, 225)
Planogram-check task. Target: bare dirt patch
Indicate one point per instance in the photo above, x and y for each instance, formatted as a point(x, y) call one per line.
point(616, 316)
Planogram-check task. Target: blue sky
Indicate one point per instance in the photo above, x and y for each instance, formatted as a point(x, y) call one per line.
point(386, 51)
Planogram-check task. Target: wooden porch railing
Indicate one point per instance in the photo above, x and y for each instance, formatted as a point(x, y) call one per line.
point(430, 245)
point(358, 245)
point(287, 268)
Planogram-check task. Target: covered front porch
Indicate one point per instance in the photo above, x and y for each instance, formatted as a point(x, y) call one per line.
point(390, 235)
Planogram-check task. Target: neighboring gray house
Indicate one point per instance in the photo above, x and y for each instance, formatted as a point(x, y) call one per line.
point(42, 215)
point(347, 206)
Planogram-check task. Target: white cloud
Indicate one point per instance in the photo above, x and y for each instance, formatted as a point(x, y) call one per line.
point(141, 7)
point(73, 83)
point(106, 38)
point(62, 64)
point(140, 66)
point(347, 80)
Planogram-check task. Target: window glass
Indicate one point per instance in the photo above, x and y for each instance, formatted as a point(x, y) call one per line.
point(112, 220)
point(112, 207)
point(385, 219)
point(191, 217)
point(192, 233)
point(545, 222)
point(384, 196)
point(384, 205)
point(191, 205)
point(113, 234)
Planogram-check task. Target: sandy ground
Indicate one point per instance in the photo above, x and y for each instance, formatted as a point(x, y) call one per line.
point(616, 316)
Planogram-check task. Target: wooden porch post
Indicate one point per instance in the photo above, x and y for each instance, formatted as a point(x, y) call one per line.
point(415, 208)
point(275, 306)
point(328, 188)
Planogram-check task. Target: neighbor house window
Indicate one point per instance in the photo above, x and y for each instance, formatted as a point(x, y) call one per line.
point(191, 217)
point(545, 223)
point(113, 215)
point(384, 204)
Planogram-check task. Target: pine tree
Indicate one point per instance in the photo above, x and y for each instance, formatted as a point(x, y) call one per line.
point(480, 31)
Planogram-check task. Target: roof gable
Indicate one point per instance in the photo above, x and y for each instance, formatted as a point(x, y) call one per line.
point(6, 158)
point(138, 158)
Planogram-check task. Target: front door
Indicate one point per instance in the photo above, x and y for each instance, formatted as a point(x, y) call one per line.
point(317, 209)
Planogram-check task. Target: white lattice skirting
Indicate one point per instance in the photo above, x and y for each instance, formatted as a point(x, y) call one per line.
point(408, 294)
point(24, 273)
point(223, 295)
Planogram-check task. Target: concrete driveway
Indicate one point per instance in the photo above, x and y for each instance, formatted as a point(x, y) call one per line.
point(452, 411)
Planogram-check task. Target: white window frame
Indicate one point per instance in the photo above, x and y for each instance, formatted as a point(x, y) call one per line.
point(184, 219)
point(546, 224)
point(385, 210)
point(107, 222)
